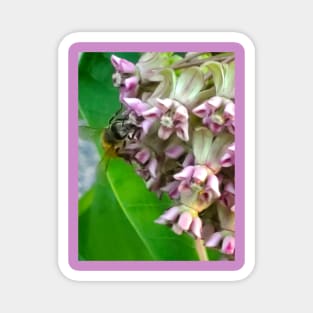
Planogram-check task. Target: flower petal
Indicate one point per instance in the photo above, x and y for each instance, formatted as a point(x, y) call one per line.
point(206, 120)
point(172, 189)
point(146, 124)
point(201, 110)
point(189, 160)
point(152, 167)
point(143, 156)
point(196, 226)
point(185, 174)
point(229, 110)
point(184, 187)
point(200, 174)
point(212, 184)
point(218, 149)
point(174, 152)
point(136, 105)
point(122, 65)
point(231, 127)
point(188, 86)
point(214, 240)
point(215, 102)
point(126, 93)
point(176, 229)
point(154, 113)
point(131, 83)
point(185, 220)
point(164, 104)
point(229, 80)
point(228, 159)
point(169, 215)
point(180, 115)
point(165, 132)
point(202, 141)
point(182, 131)
point(228, 245)
point(230, 187)
point(165, 89)
point(150, 63)
point(223, 77)
point(216, 128)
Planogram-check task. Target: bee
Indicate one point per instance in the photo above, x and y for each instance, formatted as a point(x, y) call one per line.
point(122, 127)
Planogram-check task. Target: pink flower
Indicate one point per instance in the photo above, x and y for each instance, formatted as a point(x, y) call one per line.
point(228, 245)
point(211, 190)
point(169, 216)
point(172, 116)
point(122, 66)
point(228, 159)
point(172, 189)
point(125, 77)
point(201, 176)
point(228, 196)
point(146, 159)
point(128, 88)
point(210, 149)
point(174, 151)
point(217, 113)
point(182, 220)
point(214, 240)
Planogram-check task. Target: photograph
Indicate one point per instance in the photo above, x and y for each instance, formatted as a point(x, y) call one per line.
point(156, 156)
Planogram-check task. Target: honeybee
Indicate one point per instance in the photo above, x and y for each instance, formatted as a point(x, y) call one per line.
point(122, 127)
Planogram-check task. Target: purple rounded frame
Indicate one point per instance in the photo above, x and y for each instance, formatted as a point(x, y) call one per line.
point(73, 54)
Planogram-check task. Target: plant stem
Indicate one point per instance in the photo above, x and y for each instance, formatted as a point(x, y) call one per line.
point(201, 250)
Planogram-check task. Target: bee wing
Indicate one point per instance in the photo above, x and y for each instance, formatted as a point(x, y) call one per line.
point(90, 134)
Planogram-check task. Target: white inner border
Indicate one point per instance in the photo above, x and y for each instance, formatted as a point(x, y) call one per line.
point(249, 156)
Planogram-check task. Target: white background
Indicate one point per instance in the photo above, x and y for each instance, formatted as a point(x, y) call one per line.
point(30, 33)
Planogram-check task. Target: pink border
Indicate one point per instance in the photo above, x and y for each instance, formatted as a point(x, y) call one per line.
point(74, 51)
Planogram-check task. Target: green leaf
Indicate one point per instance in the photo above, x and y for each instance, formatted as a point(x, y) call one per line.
point(120, 224)
point(104, 231)
point(213, 254)
point(85, 201)
point(142, 207)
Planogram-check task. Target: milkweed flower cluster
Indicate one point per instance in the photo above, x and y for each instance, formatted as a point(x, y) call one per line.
point(184, 109)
